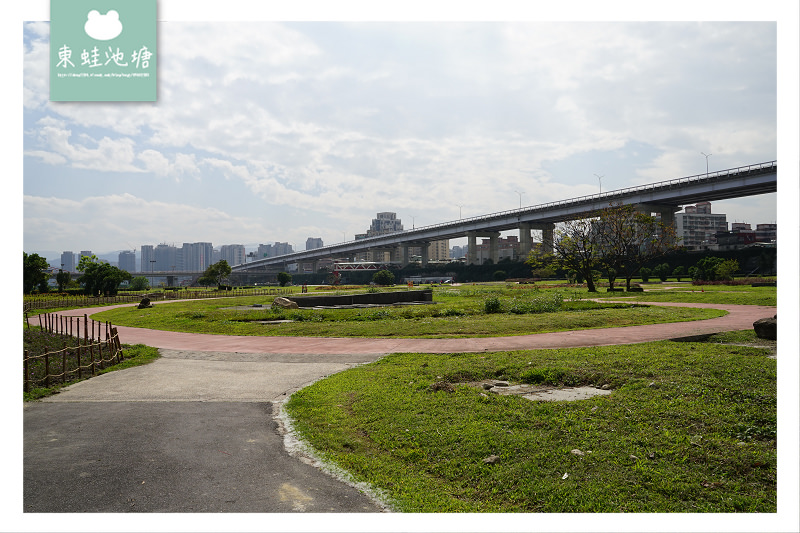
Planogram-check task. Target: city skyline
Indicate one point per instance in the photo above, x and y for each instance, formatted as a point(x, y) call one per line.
point(385, 220)
point(289, 130)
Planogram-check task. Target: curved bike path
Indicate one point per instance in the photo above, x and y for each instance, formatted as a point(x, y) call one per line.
point(739, 317)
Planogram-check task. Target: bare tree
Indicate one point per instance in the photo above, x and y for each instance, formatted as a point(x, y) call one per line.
point(629, 239)
point(575, 247)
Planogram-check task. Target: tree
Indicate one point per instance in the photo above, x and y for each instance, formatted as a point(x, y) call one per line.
point(612, 277)
point(33, 272)
point(284, 278)
point(63, 279)
point(726, 269)
point(575, 248)
point(215, 274)
point(500, 275)
point(661, 271)
point(706, 268)
point(383, 277)
point(100, 278)
point(628, 239)
point(678, 272)
point(139, 283)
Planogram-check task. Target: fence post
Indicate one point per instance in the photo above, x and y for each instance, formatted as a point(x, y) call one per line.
point(40, 320)
point(86, 328)
point(47, 369)
point(100, 353)
point(64, 363)
point(118, 344)
point(27, 383)
point(91, 358)
point(79, 355)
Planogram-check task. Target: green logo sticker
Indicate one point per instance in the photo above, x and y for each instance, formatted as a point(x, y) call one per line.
point(103, 50)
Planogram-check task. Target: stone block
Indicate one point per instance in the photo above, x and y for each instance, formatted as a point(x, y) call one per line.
point(766, 328)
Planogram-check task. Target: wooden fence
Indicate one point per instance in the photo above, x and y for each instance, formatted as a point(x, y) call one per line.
point(31, 304)
point(94, 350)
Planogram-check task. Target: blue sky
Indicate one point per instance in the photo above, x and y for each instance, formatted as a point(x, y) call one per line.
point(268, 131)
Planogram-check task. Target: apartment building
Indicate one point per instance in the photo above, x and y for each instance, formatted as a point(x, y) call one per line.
point(234, 254)
point(696, 226)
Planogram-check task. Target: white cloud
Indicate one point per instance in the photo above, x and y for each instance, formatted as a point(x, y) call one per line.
point(344, 120)
point(114, 220)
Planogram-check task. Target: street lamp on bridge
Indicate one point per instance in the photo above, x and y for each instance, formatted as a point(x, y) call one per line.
point(520, 198)
point(707, 156)
point(600, 181)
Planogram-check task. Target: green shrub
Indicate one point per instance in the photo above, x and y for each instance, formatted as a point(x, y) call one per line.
point(492, 305)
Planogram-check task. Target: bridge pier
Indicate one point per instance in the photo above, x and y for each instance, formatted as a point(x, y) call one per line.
point(404, 254)
point(667, 212)
point(526, 241)
point(472, 246)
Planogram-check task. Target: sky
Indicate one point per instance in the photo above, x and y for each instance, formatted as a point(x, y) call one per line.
point(271, 131)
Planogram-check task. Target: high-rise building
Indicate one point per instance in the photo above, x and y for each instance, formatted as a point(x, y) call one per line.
point(697, 226)
point(281, 248)
point(234, 254)
point(195, 256)
point(68, 261)
point(147, 258)
point(313, 243)
point(166, 256)
point(385, 223)
point(264, 250)
point(127, 261)
point(382, 224)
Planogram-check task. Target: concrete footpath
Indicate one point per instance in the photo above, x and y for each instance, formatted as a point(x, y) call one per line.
point(197, 430)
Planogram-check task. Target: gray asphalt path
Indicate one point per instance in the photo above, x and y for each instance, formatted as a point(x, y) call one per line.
point(190, 432)
point(164, 457)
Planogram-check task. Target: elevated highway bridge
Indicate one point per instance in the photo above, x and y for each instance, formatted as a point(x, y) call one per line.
point(664, 198)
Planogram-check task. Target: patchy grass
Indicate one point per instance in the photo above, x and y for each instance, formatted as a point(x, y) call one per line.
point(690, 427)
point(688, 293)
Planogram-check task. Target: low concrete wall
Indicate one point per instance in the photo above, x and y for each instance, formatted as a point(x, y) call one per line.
point(384, 298)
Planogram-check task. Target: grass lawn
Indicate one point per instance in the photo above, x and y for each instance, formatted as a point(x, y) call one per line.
point(688, 293)
point(459, 312)
point(689, 427)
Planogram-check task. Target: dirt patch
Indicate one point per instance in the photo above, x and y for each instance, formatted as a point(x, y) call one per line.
point(541, 393)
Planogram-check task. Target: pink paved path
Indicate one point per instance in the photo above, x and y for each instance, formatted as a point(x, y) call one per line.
point(739, 317)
